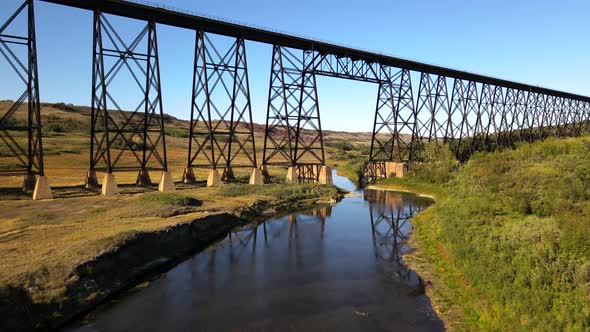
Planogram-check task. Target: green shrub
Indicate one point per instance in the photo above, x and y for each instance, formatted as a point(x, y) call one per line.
point(174, 199)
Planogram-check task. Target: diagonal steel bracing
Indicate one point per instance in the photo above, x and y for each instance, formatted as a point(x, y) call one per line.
point(293, 135)
point(126, 140)
point(221, 129)
point(21, 147)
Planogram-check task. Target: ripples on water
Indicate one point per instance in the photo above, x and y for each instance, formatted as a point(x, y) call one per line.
point(331, 269)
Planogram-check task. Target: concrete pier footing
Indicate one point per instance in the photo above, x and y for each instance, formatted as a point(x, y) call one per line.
point(109, 185)
point(325, 176)
point(42, 189)
point(91, 180)
point(143, 178)
point(292, 175)
point(256, 177)
point(188, 176)
point(166, 182)
point(374, 170)
point(265, 173)
point(228, 174)
point(29, 182)
point(214, 179)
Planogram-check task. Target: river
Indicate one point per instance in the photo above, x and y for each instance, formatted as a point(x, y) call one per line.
point(337, 268)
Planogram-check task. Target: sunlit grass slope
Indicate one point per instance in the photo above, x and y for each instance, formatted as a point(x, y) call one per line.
point(509, 237)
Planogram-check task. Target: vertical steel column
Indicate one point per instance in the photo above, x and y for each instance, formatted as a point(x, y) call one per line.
point(26, 158)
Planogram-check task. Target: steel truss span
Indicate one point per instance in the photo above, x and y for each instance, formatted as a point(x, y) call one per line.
point(126, 140)
point(417, 104)
point(221, 128)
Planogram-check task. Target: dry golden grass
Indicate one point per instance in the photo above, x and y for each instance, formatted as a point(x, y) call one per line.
point(41, 242)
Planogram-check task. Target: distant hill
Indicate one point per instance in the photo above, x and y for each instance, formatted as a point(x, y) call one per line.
point(66, 141)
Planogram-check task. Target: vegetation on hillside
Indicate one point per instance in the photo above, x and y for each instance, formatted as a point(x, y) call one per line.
point(509, 237)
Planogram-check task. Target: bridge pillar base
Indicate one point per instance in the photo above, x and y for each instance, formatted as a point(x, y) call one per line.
point(143, 178)
point(228, 174)
point(91, 180)
point(395, 169)
point(292, 176)
point(166, 182)
point(256, 177)
point(213, 180)
point(326, 175)
point(42, 189)
point(374, 170)
point(265, 173)
point(29, 182)
point(109, 185)
point(188, 176)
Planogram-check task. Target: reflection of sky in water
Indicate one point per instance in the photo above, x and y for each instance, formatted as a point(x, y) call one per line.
point(334, 268)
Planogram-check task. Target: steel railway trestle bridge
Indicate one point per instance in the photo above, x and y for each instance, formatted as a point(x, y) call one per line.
point(467, 111)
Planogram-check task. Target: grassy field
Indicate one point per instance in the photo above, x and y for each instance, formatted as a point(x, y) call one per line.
point(41, 242)
point(507, 245)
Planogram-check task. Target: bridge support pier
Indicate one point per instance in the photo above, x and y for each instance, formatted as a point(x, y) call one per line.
point(91, 180)
point(188, 176)
point(42, 189)
point(256, 178)
point(326, 175)
point(109, 185)
point(292, 176)
point(228, 174)
point(213, 180)
point(374, 170)
point(21, 136)
point(221, 128)
point(143, 178)
point(133, 140)
point(166, 182)
point(29, 182)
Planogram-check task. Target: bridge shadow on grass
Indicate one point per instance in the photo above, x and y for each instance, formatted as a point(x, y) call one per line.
point(16, 193)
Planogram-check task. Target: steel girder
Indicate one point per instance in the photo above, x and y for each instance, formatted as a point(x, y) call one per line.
point(221, 129)
point(21, 138)
point(126, 140)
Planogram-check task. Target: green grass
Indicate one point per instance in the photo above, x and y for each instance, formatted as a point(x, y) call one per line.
point(509, 237)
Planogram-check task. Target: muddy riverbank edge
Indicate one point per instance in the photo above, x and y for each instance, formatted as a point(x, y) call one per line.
point(142, 256)
point(417, 260)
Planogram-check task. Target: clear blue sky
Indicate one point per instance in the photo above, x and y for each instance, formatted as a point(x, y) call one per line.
point(544, 43)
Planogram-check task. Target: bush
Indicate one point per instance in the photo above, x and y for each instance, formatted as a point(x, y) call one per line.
point(174, 199)
point(511, 236)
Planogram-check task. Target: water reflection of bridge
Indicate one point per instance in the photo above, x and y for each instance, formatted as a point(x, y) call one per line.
point(390, 215)
point(242, 244)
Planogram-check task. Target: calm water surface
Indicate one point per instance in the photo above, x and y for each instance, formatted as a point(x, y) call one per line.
point(333, 269)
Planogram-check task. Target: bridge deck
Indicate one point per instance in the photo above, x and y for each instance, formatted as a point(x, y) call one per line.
point(194, 22)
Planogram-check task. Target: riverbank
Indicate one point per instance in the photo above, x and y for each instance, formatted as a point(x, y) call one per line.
point(62, 257)
point(507, 244)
